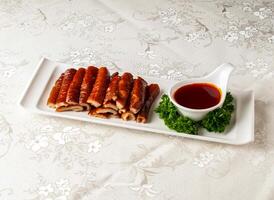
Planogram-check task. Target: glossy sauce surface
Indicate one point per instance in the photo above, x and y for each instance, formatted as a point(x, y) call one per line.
point(198, 95)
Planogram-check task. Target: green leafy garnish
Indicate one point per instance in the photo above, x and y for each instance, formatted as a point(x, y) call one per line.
point(218, 119)
point(168, 112)
point(214, 121)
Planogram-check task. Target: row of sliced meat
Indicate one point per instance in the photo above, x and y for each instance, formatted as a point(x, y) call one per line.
point(103, 95)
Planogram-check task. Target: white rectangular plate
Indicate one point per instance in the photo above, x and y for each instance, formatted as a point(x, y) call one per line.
point(35, 96)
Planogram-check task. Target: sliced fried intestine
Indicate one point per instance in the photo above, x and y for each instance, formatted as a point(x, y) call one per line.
point(123, 110)
point(68, 77)
point(128, 115)
point(93, 113)
point(124, 89)
point(75, 87)
point(98, 92)
point(87, 85)
point(114, 116)
point(110, 104)
point(77, 108)
point(55, 92)
point(106, 97)
point(111, 93)
point(112, 90)
point(138, 94)
point(105, 110)
point(152, 92)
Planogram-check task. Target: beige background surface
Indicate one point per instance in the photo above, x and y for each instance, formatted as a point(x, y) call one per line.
point(43, 158)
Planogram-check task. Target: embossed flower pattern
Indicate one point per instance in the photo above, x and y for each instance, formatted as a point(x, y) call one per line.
point(58, 190)
point(45, 190)
point(145, 189)
point(203, 159)
point(94, 146)
point(66, 135)
point(39, 142)
point(172, 39)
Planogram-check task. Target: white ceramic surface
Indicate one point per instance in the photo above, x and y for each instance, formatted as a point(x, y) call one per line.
point(219, 77)
point(240, 131)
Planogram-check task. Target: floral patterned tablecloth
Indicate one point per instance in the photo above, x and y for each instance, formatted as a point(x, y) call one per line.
point(46, 158)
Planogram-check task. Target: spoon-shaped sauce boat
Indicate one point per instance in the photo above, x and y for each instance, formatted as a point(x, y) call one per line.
point(196, 97)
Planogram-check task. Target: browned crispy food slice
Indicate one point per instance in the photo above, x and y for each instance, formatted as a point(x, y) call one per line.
point(110, 104)
point(76, 108)
point(75, 87)
point(55, 92)
point(124, 89)
point(112, 90)
point(138, 95)
point(128, 115)
point(68, 77)
point(114, 116)
point(123, 110)
point(152, 92)
point(87, 85)
point(93, 113)
point(98, 92)
point(106, 110)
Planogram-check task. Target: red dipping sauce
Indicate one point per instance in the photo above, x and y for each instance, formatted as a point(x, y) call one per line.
point(198, 95)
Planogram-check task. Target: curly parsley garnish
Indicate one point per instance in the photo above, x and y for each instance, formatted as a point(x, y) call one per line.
point(214, 121)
